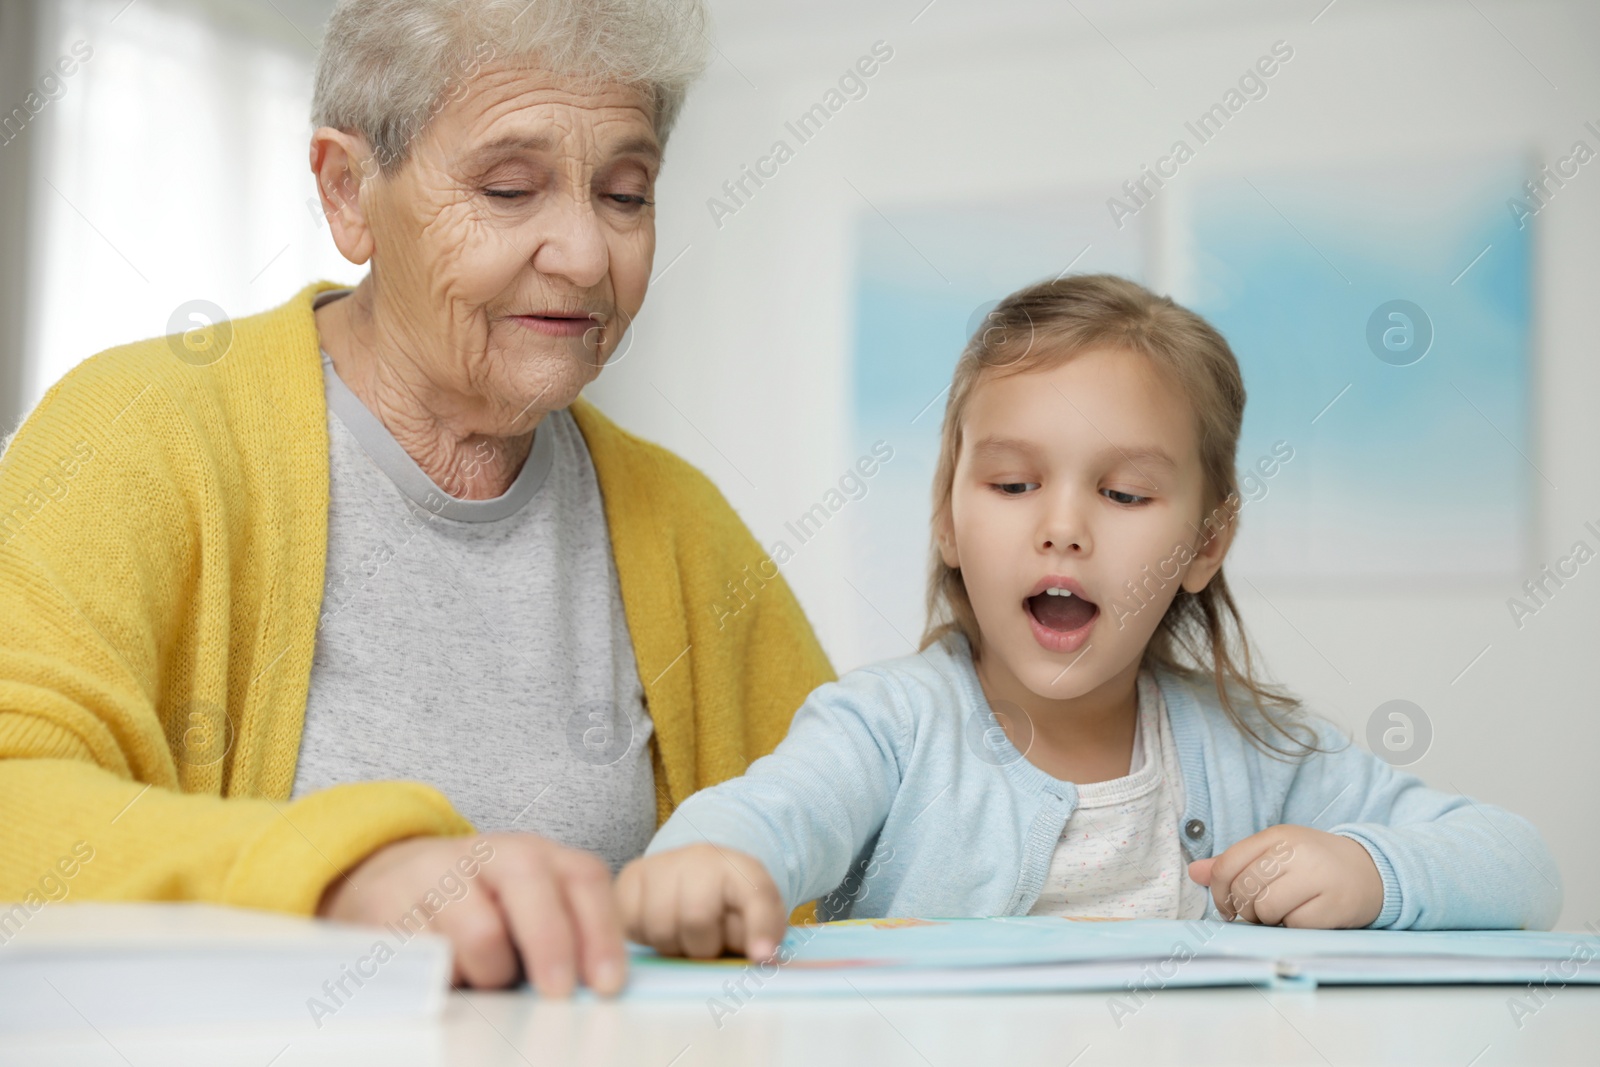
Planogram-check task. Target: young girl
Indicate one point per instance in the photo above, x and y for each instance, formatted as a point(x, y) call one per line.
point(1081, 732)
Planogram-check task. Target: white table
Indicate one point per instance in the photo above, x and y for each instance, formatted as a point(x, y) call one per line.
point(1422, 1025)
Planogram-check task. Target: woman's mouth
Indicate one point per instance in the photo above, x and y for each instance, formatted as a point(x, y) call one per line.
point(1060, 618)
point(554, 324)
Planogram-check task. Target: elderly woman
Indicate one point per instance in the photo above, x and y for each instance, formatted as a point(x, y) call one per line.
point(355, 607)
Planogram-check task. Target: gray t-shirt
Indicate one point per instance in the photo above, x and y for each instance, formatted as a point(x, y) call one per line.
point(479, 646)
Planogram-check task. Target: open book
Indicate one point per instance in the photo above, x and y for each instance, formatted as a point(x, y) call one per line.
point(118, 965)
point(1042, 953)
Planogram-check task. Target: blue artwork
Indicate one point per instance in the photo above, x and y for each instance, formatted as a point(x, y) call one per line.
point(1381, 319)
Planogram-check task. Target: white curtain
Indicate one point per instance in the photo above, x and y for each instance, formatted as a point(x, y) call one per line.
point(171, 167)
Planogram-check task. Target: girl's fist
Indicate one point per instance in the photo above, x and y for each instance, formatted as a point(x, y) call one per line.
point(1294, 876)
point(700, 900)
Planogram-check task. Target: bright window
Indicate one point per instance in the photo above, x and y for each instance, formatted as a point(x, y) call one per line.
point(172, 166)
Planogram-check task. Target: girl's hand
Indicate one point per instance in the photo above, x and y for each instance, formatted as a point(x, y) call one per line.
point(699, 900)
point(1294, 876)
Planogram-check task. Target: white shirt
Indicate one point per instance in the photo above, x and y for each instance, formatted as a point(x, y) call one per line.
point(1119, 854)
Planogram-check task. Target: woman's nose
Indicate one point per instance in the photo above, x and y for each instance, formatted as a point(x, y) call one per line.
point(572, 246)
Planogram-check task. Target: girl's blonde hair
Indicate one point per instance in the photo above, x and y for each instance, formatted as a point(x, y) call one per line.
point(1037, 328)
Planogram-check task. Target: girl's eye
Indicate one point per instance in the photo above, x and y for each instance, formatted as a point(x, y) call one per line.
point(1014, 488)
point(1124, 498)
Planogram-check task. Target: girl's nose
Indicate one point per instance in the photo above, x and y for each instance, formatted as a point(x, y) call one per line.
point(1064, 531)
point(1063, 525)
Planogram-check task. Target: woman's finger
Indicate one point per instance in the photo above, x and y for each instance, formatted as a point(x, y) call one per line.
point(601, 957)
point(484, 955)
point(536, 910)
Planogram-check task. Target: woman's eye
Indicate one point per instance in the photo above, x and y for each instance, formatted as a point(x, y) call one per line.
point(1124, 498)
point(630, 199)
point(1015, 488)
point(505, 194)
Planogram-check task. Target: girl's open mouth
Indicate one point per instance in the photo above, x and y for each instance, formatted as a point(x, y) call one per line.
point(1060, 620)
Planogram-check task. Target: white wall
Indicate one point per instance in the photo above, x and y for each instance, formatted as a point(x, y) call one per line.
point(749, 333)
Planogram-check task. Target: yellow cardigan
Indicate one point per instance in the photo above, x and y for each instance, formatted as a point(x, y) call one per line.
point(163, 534)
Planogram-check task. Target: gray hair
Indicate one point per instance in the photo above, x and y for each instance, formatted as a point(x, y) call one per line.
point(387, 67)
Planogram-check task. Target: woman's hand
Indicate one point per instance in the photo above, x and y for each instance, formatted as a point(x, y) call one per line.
point(511, 904)
point(699, 900)
point(1294, 876)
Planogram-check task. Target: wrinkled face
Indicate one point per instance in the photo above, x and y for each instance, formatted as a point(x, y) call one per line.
point(1085, 479)
point(513, 249)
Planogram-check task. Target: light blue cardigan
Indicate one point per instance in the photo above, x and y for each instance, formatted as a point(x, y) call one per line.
point(896, 793)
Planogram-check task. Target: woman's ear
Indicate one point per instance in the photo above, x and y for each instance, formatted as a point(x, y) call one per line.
point(339, 162)
point(1212, 546)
